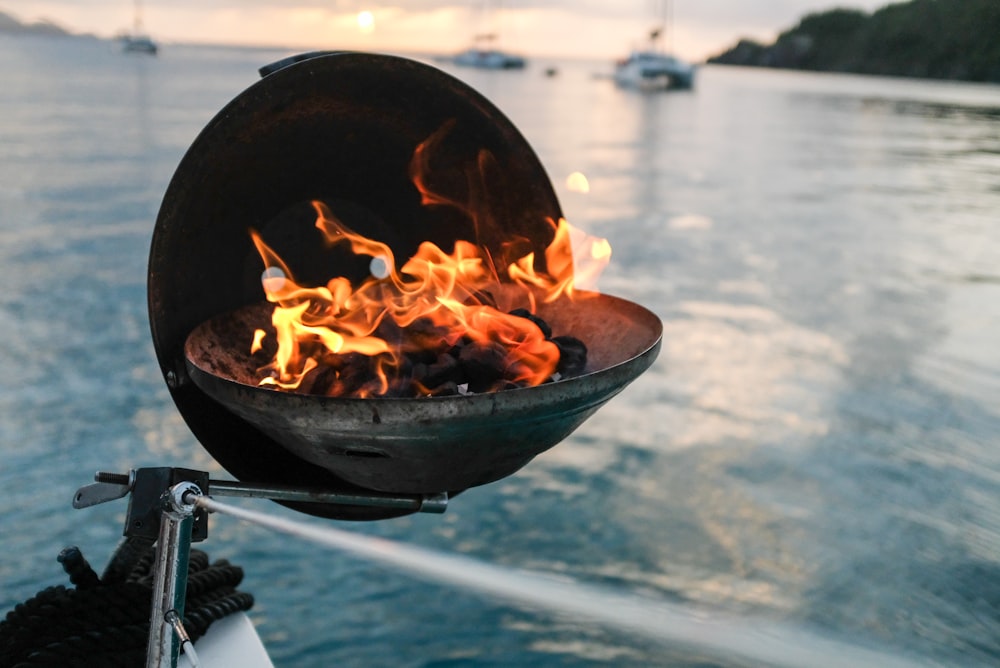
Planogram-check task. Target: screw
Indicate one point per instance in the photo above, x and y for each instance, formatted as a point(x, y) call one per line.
point(113, 478)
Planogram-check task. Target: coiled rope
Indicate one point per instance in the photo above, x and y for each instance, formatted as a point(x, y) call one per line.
point(104, 621)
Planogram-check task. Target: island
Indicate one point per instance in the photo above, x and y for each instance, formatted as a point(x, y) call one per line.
point(938, 39)
point(9, 25)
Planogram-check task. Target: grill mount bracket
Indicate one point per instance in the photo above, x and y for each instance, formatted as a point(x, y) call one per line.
point(161, 509)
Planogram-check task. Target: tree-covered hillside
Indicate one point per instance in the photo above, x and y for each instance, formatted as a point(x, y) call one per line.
point(941, 39)
point(10, 25)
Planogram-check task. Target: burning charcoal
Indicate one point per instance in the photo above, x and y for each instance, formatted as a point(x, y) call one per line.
point(542, 325)
point(356, 372)
point(505, 384)
point(405, 367)
point(448, 389)
point(399, 387)
point(268, 347)
point(572, 355)
point(425, 340)
point(323, 380)
point(445, 369)
point(483, 364)
point(420, 356)
point(419, 373)
point(390, 332)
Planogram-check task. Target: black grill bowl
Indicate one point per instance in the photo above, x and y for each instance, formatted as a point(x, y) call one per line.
point(436, 444)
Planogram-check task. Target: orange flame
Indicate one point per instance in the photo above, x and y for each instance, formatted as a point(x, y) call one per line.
point(434, 301)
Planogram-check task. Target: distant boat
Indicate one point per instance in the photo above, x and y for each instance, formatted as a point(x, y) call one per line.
point(138, 41)
point(653, 68)
point(485, 54)
point(139, 44)
point(488, 57)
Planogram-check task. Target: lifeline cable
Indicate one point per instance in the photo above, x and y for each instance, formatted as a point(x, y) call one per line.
point(764, 644)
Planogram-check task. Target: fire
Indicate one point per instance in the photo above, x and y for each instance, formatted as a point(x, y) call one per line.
point(420, 313)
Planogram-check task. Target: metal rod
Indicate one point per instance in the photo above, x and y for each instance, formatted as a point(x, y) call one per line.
point(426, 503)
point(170, 570)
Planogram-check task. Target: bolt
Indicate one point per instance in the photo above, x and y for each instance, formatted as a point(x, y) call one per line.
point(183, 496)
point(113, 478)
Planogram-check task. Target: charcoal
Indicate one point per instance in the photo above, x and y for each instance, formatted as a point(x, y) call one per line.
point(419, 372)
point(483, 364)
point(355, 374)
point(431, 363)
point(542, 325)
point(268, 349)
point(323, 380)
point(390, 332)
point(424, 356)
point(445, 369)
point(448, 389)
point(400, 387)
point(504, 384)
point(403, 367)
point(572, 355)
point(425, 340)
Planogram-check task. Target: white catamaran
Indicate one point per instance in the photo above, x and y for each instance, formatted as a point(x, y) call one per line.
point(653, 68)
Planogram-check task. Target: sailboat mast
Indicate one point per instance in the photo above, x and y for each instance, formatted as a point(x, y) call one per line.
point(137, 18)
point(669, 24)
point(662, 32)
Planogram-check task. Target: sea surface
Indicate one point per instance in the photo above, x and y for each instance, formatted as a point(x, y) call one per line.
point(816, 448)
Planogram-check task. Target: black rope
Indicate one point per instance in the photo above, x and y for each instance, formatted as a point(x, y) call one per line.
point(105, 621)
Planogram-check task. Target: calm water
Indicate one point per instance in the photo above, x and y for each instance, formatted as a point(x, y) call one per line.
point(816, 444)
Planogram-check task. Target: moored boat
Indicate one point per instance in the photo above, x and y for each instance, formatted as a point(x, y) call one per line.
point(654, 70)
point(138, 41)
point(653, 67)
point(488, 57)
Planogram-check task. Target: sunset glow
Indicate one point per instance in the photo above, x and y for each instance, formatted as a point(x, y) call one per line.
point(546, 28)
point(366, 22)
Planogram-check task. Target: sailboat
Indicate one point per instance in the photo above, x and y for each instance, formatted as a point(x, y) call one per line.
point(138, 41)
point(653, 68)
point(485, 54)
point(488, 57)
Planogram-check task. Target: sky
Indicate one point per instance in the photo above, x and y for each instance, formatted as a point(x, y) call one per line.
point(575, 28)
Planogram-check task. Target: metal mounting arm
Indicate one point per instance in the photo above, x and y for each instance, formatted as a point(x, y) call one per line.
point(162, 508)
